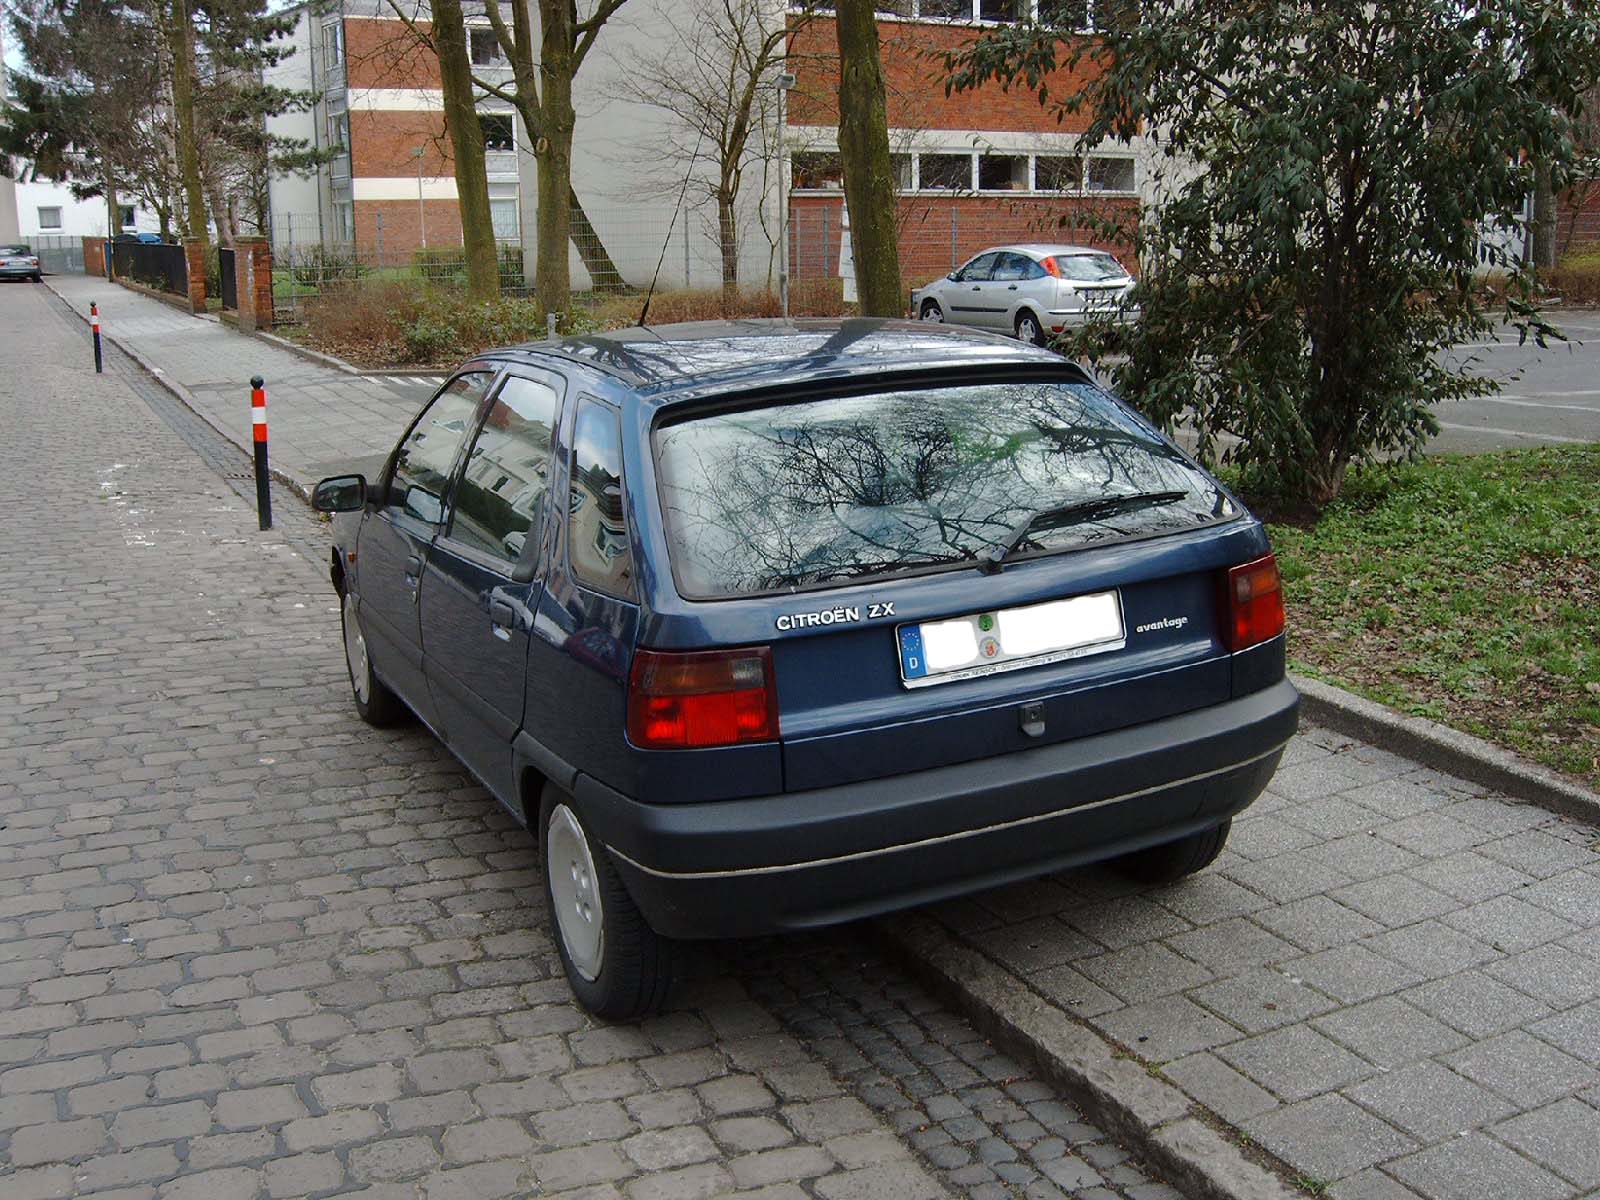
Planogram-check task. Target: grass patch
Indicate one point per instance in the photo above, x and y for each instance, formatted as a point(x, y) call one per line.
point(1465, 589)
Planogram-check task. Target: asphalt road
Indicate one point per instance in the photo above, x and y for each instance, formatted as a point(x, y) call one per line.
point(1548, 396)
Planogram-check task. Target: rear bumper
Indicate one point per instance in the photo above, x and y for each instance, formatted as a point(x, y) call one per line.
point(739, 868)
point(19, 272)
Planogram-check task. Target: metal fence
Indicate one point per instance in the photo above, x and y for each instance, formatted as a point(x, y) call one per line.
point(158, 265)
point(227, 279)
point(58, 253)
point(624, 245)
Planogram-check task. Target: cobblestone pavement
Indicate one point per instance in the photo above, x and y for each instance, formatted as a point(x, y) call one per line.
point(1391, 978)
point(250, 947)
point(323, 421)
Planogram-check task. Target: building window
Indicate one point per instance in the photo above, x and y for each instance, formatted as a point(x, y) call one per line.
point(339, 129)
point(900, 168)
point(944, 172)
point(127, 218)
point(1058, 173)
point(1003, 10)
point(1002, 172)
point(485, 45)
point(499, 132)
point(1110, 175)
point(507, 221)
point(50, 218)
point(332, 46)
point(946, 10)
point(1084, 16)
point(817, 171)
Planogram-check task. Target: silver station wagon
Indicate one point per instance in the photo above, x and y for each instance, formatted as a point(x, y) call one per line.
point(1031, 291)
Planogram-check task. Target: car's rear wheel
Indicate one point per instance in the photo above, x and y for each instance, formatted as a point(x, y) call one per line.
point(1172, 861)
point(931, 311)
point(375, 703)
point(617, 966)
point(1029, 329)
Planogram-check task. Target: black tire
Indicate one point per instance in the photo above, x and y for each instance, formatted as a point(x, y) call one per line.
point(37, 278)
point(1029, 328)
point(930, 311)
point(1172, 861)
point(634, 963)
point(375, 703)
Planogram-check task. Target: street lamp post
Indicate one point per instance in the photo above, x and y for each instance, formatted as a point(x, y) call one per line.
point(422, 216)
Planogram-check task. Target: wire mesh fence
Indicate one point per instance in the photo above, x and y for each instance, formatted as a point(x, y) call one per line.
point(622, 249)
point(59, 254)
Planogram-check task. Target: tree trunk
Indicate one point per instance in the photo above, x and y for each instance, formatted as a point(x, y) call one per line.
point(113, 224)
point(1544, 220)
point(603, 272)
point(180, 40)
point(220, 212)
point(864, 147)
point(553, 152)
point(728, 243)
point(466, 142)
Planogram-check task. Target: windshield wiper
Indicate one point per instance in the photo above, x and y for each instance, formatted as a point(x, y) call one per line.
point(990, 558)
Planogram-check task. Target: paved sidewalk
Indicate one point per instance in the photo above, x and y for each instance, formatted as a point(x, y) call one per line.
point(322, 420)
point(1390, 980)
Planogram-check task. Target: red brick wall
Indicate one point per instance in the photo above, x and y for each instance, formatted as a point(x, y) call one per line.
point(914, 82)
point(926, 224)
point(401, 227)
point(1578, 217)
point(382, 144)
point(385, 54)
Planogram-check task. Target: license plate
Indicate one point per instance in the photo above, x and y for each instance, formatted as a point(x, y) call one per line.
point(1008, 639)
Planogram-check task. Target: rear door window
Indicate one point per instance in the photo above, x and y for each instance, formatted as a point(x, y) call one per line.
point(838, 490)
point(597, 534)
point(506, 478)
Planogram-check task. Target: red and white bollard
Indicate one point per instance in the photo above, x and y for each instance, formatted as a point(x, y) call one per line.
point(258, 421)
point(94, 324)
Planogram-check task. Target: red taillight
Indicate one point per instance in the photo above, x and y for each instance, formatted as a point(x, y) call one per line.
point(1255, 603)
point(702, 698)
point(1050, 267)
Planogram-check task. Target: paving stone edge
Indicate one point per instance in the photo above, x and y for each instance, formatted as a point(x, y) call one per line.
point(1445, 749)
point(1152, 1117)
point(305, 352)
point(187, 399)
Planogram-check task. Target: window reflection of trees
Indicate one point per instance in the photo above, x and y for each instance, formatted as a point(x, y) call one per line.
point(835, 489)
point(506, 474)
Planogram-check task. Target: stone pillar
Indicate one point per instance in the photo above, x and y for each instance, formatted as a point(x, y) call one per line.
point(94, 256)
point(194, 251)
point(252, 275)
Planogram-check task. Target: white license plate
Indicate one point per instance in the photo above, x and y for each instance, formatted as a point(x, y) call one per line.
point(1009, 638)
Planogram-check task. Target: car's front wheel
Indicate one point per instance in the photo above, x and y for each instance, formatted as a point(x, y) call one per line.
point(617, 966)
point(931, 311)
point(1172, 861)
point(375, 703)
point(1029, 329)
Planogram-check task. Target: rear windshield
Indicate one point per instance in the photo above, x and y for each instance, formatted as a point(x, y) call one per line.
point(15, 249)
point(1090, 268)
point(843, 489)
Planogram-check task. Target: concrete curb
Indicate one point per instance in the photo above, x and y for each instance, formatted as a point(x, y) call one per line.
point(1151, 1116)
point(305, 352)
point(187, 398)
point(1444, 749)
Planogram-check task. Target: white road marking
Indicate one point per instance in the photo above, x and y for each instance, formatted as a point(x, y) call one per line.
point(1523, 402)
point(1517, 433)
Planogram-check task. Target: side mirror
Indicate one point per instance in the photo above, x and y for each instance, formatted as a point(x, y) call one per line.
point(340, 493)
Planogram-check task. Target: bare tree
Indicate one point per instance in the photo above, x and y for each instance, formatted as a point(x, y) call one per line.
point(714, 76)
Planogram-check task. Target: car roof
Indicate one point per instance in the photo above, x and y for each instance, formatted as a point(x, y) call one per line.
point(699, 358)
point(1044, 249)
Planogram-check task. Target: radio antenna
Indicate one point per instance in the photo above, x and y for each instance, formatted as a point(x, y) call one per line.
point(682, 192)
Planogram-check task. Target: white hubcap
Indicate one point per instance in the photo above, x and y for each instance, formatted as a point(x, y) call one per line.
point(355, 650)
point(574, 892)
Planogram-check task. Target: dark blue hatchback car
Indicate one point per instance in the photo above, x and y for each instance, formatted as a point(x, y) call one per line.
point(763, 626)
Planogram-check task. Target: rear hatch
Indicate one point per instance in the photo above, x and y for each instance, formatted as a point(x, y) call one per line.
point(863, 537)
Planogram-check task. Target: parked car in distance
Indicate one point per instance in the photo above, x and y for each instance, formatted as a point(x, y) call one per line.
point(1030, 291)
point(18, 261)
point(763, 626)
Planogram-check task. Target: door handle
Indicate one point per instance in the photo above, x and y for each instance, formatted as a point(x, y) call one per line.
point(1012, 288)
point(501, 614)
point(977, 287)
point(414, 565)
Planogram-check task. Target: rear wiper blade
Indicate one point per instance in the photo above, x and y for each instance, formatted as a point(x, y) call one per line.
point(990, 558)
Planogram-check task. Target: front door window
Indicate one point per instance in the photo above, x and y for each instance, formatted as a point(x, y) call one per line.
point(423, 462)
